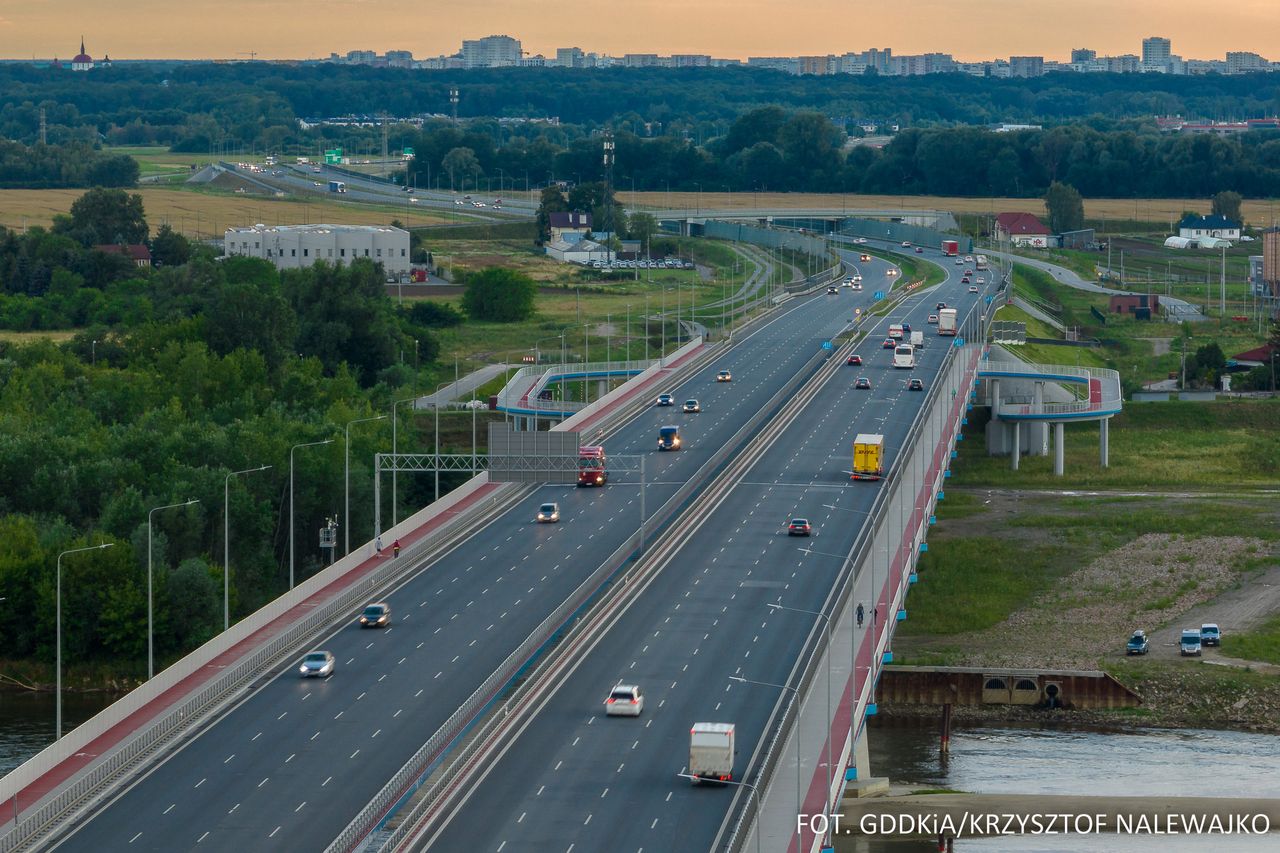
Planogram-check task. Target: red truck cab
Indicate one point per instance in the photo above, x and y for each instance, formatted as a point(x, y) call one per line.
point(591, 466)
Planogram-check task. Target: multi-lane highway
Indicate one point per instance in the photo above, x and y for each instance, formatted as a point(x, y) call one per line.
point(294, 760)
point(577, 780)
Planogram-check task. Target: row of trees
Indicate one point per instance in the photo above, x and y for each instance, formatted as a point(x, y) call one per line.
point(200, 106)
point(75, 164)
point(771, 149)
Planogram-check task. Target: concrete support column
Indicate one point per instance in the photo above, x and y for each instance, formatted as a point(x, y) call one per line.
point(995, 398)
point(1016, 455)
point(1104, 432)
point(1039, 433)
point(1059, 429)
point(859, 758)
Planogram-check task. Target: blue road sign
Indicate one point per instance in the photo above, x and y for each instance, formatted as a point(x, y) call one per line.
point(959, 342)
point(879, 294)
point(826, 345)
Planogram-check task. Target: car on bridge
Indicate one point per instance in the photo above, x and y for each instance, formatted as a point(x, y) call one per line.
point(317, 664)
point(692, 407)
point(377, 615)
point(799, 527)
point(959, 262)
point(1138, 644)
point(855, 360)
point(666, 400)
point(724, 376)
point(889, 343)
point(625, 700)
point(906, 244)
point(862, 383)
point(933, 319)
point(864, 257)
point(548, 513)
point(973, 288)
point(833, 289)
point(915, 385)
point(669, 438)
point(919, 250)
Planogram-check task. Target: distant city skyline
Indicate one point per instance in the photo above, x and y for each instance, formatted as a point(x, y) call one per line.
point(737, 29)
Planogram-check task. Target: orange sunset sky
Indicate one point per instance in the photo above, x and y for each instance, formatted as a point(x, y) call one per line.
point(968, 29)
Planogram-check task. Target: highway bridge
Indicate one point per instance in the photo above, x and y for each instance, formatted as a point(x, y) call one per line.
point(282, 763)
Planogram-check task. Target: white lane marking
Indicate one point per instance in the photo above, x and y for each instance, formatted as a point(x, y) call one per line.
point(264, 781)
point(300, 805)
point(273, 832)
point(166, 811)
point(135, 838)
point(201, 782)
point(229, 757)
point(326, 781)
point(202, 838)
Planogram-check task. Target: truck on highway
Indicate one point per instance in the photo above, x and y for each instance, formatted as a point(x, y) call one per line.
point(895, 331)
point(950, 248)
point(711, 752)
point(904, 356)
point(947, 321)
point(337, 187)
point(868, 456)
point(591, 466)
point(980, 262)
point(917, 340)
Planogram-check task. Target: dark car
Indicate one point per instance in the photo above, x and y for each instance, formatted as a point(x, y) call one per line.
point(854, 359)
point(376, 615)
point(862, 383)
point(799, 527)
point(964, 280)
point(940, 306)
point(833, 290)
point(915, 385)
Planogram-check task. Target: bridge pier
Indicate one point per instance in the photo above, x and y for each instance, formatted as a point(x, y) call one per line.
point(1038, 436)
point(1059, 431)
point(1016, 455)
point(1104, 438)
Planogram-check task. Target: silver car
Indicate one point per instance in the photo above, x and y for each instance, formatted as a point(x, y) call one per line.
point(317, 664)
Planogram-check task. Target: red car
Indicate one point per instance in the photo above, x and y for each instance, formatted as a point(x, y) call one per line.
point(854, 359)
point(889, 343)
point(799, 527)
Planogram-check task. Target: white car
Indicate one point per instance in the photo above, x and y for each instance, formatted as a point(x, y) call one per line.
point(973, 288)
point(549, 513)
point(933, 318)
point(625, 700)
point(317, 664)
point(959, 262)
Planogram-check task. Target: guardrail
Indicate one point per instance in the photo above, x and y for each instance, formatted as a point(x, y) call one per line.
point(418, 768)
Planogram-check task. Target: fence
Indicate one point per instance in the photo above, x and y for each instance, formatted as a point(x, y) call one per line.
point(918, 235)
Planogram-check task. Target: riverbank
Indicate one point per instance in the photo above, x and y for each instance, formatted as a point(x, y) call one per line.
point(1060, 580)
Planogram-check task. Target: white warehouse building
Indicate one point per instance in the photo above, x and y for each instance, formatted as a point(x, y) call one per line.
point(295, 246)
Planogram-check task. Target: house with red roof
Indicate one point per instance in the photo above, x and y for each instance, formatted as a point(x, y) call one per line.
point(138, 253)
point(1022, 229)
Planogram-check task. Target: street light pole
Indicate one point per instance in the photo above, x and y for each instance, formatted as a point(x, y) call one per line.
point(346, 482)
point(795, 692)
point(226, 543)
point(824, 618)
point(395, 449)
point(151, 657)
point(291, 525)
point(58, 596)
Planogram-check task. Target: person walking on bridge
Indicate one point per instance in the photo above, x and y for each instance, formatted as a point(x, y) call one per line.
point(860, 614)
point(395, 549)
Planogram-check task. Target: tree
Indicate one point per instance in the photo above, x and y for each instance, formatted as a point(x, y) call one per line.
point(499, 295)
point(106, 216)
point(434, 315)
point(460, 160)
point(169, 248)
point(1065, 207)
point(1227, 204)
point(642, 226)
point(113, 170)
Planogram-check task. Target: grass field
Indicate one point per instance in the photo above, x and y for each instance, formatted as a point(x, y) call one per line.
point(1121, 210)
point(206, 214)
point(28, 337)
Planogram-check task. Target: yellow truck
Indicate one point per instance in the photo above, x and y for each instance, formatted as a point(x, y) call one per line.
point(868, 456)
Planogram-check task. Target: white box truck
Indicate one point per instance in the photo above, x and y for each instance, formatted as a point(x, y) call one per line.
point(711, 752)
point(947, 321)
point(917, 340)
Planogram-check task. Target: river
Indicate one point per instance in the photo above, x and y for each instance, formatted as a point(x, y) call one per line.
point(27, 721)
point(1057, 760)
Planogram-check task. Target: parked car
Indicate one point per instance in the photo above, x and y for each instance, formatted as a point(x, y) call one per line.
point(799, 527)
point(625, 700)
point(1210, 635)
point(1189, 644)
point(1137, 644)
point(377, 615)
point(317, 664)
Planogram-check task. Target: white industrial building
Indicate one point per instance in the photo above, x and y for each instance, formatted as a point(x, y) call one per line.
point(295, 246)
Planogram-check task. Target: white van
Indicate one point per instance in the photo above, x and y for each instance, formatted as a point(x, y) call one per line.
point(904, 355)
